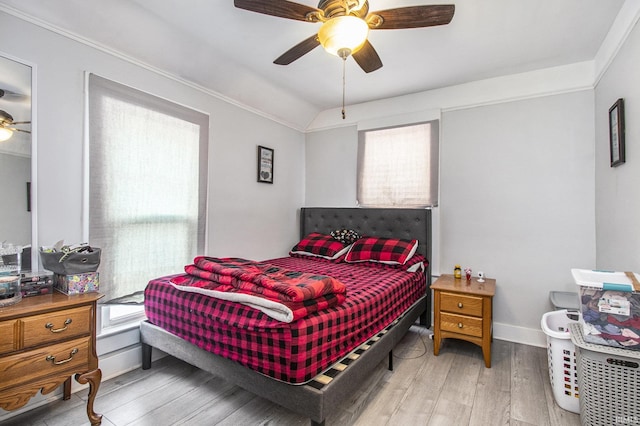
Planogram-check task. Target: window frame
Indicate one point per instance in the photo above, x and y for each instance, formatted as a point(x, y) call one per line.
point(433, 156)
point(113, 317)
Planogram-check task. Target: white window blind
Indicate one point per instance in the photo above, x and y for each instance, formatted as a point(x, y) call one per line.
point(147, 185)
point(398, 167)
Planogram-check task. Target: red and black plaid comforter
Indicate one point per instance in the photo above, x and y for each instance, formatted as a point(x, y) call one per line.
point(270, 281)
point(292, 352)
point(281, 293)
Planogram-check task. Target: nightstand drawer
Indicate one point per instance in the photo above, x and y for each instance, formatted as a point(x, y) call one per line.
point(27, 366)
point(461, 304)
point(56, 326)
point(7, 338)
point(461, 324)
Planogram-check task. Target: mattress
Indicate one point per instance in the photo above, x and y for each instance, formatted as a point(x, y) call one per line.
point(291, 352)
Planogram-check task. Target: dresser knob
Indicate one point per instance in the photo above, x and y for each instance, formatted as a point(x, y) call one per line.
point(64, 361)
point(58, 330)
point(459, 325)
point(460, 305)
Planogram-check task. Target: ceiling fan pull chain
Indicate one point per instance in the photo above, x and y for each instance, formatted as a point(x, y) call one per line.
point(344, 64)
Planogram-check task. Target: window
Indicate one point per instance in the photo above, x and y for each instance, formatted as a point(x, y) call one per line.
point(147, 186)
point(398, 166)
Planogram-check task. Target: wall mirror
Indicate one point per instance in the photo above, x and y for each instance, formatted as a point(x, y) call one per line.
point(18, 224)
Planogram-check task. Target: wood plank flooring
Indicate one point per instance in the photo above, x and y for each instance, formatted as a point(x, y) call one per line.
point(453, 388)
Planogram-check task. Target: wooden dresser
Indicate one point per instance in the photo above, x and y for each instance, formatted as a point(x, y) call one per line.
point(463, 310)
point(43, 341)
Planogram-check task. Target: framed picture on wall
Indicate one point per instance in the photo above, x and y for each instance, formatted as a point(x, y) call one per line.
point(265, 164)
point(616, 133)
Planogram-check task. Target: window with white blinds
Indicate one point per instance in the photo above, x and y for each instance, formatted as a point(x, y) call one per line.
point(398, 167)
point(147, 185)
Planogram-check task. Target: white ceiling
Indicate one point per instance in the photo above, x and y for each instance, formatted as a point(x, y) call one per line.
point(230, 51)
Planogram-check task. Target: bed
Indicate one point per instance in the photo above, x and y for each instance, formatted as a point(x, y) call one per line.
point(307, 392)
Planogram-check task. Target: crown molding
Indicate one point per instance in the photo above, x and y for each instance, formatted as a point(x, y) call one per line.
point(124, 57)
point(622, 26)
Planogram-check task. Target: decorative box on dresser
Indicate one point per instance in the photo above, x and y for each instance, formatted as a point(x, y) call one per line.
point(464, 310)
point(44, 340)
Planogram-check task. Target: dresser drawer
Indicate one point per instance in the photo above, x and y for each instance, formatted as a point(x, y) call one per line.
point(21, 368)
point(7, 338)
point(56, 326)
point(461, 304)
point(461, 324)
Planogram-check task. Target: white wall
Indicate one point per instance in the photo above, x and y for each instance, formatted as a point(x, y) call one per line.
point(245, 217)
point(331, 158)
point(517, 198)
point(516, 185)
point(617, 201)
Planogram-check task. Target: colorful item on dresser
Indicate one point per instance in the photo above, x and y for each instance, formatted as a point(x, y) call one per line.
point(78, 283)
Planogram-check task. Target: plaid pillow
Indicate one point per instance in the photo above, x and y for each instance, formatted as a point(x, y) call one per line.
point(320, 245)
point(384, 250)
point(345, 236)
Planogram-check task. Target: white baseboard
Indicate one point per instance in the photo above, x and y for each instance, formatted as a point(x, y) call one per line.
point(516, 334)
point(117, 363)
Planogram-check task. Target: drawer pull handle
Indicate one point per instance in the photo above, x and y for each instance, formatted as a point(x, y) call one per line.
point(460, 305)
point(459, 325)
point(64, 361)
point(58, 330)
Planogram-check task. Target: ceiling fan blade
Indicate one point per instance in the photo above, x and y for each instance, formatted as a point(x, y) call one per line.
point(298, 50)
point(367, 58)
point(8, 95)
point(20, 122)
point(18, 130)
point(279, 8)
point(411, 17)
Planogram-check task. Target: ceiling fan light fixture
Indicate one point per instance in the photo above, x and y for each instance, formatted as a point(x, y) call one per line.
point(5, 134)
point(343, 33)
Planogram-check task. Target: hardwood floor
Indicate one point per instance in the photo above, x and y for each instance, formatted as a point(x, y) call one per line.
point(453, 388)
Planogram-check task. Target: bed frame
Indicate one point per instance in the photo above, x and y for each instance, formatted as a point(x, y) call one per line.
point(317, 398)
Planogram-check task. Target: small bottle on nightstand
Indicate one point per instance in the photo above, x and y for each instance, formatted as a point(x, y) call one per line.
point(457, 272)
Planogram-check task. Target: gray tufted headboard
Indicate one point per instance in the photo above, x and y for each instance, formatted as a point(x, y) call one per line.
point(397, 223)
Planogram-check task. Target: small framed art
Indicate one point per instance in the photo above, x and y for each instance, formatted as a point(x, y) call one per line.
point(265, 164)
point(616, 133)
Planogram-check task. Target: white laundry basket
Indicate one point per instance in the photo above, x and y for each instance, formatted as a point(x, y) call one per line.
point(561, 354)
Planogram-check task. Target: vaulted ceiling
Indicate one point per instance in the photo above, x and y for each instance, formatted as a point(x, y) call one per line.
point(231, 51)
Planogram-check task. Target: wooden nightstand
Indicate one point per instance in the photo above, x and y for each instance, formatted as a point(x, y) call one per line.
point(463, 310)
point(43, 341)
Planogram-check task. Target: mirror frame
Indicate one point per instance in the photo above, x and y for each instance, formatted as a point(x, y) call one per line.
point(35, 258)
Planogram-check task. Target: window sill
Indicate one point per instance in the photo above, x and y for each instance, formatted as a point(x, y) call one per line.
point(120, 328)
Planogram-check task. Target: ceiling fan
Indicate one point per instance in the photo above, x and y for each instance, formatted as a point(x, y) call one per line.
point(345, 25)
point(7, 126)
